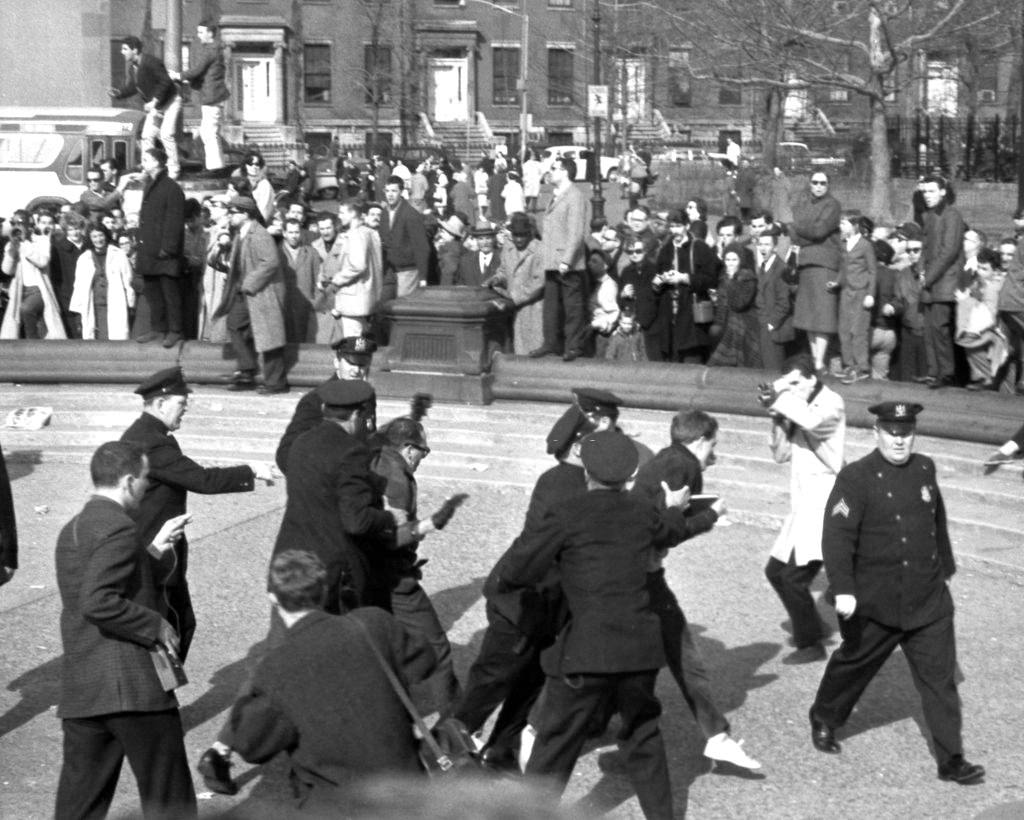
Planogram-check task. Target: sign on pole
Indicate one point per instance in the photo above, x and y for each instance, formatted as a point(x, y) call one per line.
point(597, 101)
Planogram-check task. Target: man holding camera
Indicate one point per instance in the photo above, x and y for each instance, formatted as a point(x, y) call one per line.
point(33, 309)
point(809, 431)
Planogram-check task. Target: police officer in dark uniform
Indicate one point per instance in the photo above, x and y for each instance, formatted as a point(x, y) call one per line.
point(889, 560)
point(352, 358)
point(172, 475)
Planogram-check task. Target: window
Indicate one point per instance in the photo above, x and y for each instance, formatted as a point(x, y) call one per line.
point(841, 95)
point(506, 75)
point(447, 3)
point(73, 168)
point(560, 81)
point(560, 4)
point(988, 78)
point(316, 76)
point(729, 94)
point(377, 71)
point(679, 90)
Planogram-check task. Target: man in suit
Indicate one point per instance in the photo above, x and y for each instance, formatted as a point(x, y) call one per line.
point(404, 241)
point(8, 529)
point(564, 229)
point(160, 251)
point(253, 302)
point(476, 268)
point(612, 648)
point(172, 475)
point(335, 504)
point(942, 261)
point(112, 704)
point(206, 75)
point(774, 300)
point(148, 77)
point(889, 561)
point(857, 284)
point(335, 713)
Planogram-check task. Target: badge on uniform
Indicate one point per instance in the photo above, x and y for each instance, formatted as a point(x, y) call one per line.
point(926, 494)
point(841, 508)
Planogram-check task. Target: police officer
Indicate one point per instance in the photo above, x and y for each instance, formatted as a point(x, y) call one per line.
point(172, 475)
point(889, 560)
point(352, 358)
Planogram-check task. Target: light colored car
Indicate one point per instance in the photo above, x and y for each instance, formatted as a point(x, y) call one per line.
point(579, 154)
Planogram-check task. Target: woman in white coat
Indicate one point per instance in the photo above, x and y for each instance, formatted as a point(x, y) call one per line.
point(103, 288)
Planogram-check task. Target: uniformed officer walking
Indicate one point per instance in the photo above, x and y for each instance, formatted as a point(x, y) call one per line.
point(889, 560)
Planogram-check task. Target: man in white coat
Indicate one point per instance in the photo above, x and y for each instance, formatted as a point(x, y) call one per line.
point(809, 431)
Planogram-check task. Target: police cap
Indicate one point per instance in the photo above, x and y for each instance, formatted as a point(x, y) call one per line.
point(167, 382)
point(601, 402)
point(358, 350)
point(566, 430)
point(896, 417)
point(345, 393)
point(609, 457)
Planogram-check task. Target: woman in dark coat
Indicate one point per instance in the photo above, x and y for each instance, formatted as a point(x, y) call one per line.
point(815, 231)
point(736, 315)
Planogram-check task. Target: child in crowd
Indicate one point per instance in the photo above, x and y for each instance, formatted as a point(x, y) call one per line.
point(858, 273)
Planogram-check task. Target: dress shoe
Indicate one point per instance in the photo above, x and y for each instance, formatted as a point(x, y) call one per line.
point(979, 384)
point(960, 771)
point(805, 654)
point(540, 352)
point(243, 383)
point(216, 771)
point(501, 760)
point(146, 338)
point(923, 379)
point(945, 381)
point(263, 390)
point(823, 737)
point(171, 339)
point(571, 356)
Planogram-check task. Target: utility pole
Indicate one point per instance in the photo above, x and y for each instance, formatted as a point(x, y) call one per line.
point(1020, 119)
point(172, 38)
point(597, 200)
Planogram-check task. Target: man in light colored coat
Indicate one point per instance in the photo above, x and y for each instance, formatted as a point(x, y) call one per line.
point(354, 274)
point(565, 227)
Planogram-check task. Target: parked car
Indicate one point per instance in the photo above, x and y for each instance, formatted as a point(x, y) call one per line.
point(798, 158)
point(579, 154)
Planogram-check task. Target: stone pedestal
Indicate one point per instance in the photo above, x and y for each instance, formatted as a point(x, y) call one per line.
point(443, 338)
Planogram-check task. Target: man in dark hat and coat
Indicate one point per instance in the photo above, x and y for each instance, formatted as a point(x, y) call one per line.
point(476, 268)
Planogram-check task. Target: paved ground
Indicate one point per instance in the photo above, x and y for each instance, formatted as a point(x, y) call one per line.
point(495, 454)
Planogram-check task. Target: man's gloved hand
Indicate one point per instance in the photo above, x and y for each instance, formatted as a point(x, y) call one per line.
point(766, 394)
point(845, 605)
point(447, 510)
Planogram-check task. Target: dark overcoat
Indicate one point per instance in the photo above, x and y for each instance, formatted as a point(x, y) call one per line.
point(161, 227)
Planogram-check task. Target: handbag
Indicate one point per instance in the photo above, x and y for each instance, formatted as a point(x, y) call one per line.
point(447, 749)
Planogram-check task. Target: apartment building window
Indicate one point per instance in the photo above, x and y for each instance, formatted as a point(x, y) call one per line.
point(841, 95)
point(560, 79)
point(559, 4)
point(377, 74)
point(988, 78)
point(506, 75)
point(680, 90)
point(316, 73)
point(729, 94)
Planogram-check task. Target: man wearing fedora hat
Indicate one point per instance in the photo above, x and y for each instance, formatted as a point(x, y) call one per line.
point(478, 266)
point(448, 245)
point(889, 561)
point(253, 301)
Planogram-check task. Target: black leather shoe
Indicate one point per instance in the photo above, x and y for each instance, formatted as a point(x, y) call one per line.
point(501, 760)
point(945, 381)
point(263, 390)
point(540, 352)
point(244, 383)
point(216, 772)
point(822, 737)
point(171, 339)
point(960, 771)
point(805, 654)
point(146, 338)
point(571, 356)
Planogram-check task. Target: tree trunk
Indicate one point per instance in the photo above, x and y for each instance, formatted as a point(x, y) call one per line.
point(773, 124)
point(881, 161)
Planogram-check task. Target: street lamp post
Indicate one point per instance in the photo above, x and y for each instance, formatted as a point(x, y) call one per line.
point(597, 200)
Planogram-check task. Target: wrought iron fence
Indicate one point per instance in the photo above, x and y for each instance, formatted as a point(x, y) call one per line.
point(958, 147)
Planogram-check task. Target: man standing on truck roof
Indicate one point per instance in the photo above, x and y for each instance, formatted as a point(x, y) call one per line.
point(148, 77)
point(206, 75)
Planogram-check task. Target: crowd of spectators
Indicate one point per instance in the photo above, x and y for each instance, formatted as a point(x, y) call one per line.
point(929, 300)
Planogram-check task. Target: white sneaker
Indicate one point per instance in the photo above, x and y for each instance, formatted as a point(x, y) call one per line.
point(724, 748)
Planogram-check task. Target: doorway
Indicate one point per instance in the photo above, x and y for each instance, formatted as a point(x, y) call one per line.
point(449, 89)
point(256, 77)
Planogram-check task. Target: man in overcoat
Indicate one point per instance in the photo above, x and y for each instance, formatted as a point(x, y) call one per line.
point(254, 299)
point(889, 561)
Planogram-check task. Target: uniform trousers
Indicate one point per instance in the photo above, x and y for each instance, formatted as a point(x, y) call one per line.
point(94, 749)
point(570, 707)
point(684, 660)
point(792, 583)
point(930, 651)
point(565, 298)
point(938, 339)
point(507, 672)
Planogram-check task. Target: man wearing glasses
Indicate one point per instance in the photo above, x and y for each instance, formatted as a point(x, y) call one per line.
point(913, 364)
point(96, 197)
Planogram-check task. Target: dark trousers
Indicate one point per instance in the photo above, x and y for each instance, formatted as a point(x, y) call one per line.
point(94, 749)
point(245, 350)
point(565, 299)
point(931, 654)
point(1013, 322)
point(31, 313)
point(792, 584)
point(938, 339)
point(164, 296)
point(912, 359)
point(507, 672)
point(570, 707)
point(414, 610)
point(684, 661)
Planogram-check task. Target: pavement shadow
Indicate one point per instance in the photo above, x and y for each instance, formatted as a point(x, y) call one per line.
point(733, 670)
point(453, 602)
point(223, 690)
point(21, 463)
point(890, 697)
point(40, 689)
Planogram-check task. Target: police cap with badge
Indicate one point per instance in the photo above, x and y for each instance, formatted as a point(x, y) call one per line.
point(167, 382)
point(346, 393)
point(569, 427)
point(609, 457)
point(356, 350)
point(597, 402)
point(898, 418)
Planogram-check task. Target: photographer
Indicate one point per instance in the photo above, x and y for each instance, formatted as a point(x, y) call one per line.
point(33, 310)
point(808, 430)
